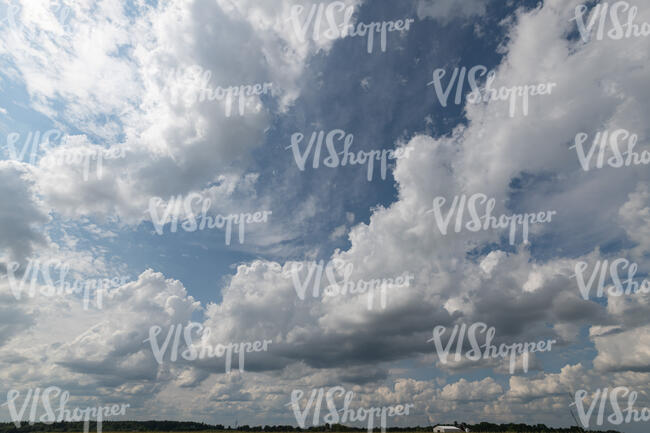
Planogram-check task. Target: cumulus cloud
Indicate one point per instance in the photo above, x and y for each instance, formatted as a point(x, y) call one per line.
point(463, 390)
point(122, 94)
point(22, 214)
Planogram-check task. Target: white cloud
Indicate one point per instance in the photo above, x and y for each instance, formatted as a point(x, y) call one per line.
point(464, 390)
point(22, 214)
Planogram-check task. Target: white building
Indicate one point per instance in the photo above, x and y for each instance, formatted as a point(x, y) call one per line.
point(446, 428)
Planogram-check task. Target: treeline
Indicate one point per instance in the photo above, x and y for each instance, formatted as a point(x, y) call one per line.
point(180, 426)
point(110, 426)
point(486, 427)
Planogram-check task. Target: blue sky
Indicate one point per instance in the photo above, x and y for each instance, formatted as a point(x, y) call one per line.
point(103, 75)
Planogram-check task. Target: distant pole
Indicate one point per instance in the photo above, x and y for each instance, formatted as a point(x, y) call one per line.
point(573, 416)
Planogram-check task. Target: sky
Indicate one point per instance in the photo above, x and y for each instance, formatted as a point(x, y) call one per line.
point(108, 154)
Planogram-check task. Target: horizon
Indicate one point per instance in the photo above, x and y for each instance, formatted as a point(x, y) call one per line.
point(247, 427)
